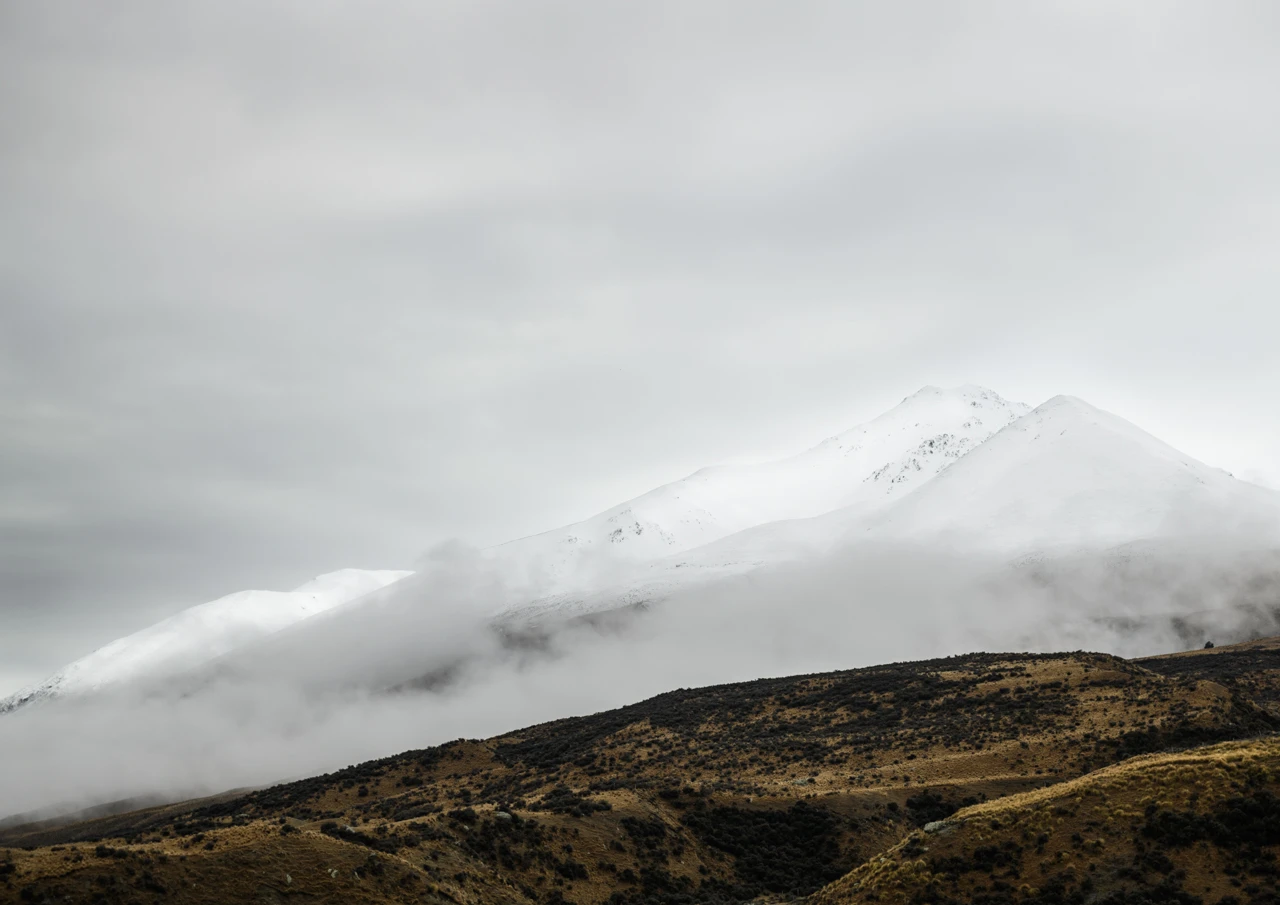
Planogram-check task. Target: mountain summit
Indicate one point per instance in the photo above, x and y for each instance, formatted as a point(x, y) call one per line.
point(867, 466)
point(956, 469)
point(1071, 474)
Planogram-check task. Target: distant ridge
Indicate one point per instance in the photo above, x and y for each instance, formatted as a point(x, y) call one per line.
point(201, 633)
point(867, 466)
point(1071, 474)
point(1065, 478)
point(949, 469)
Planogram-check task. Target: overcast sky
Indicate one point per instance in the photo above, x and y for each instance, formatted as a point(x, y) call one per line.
point(288, 287)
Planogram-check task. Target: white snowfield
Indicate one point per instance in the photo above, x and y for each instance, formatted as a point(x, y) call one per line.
point(1064, 479)
point(204, 632)
point(866, 467)
point(1071, 475)
point(962, 468)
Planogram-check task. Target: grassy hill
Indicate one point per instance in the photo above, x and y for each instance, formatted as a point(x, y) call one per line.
point(1189, 827)
point(903, 782)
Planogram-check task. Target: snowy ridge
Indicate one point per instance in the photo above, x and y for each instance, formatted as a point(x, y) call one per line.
point(960, 469)
point(867, 466)
point(1067, 478)
point(1070, 474)
point(201, 633)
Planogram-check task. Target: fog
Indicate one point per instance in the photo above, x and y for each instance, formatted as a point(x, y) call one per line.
point(293, 286)
point(423, 661)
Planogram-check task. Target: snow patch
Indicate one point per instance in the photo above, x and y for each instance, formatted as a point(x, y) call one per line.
point(204, 632)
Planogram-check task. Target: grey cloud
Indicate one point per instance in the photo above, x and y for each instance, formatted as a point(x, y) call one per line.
point(348, 685)
point(286, 287)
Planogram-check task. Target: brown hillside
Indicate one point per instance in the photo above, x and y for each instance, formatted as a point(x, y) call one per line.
point(1191, 827)
point(765, 789)
point(1251, 668)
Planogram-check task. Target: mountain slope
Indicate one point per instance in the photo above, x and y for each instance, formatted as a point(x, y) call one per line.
point(204, 632)
point(1068, 473)
point(1251, 669)
point(754, 791)
point(1065, 479)
point(1199, 826)
point(866, 467)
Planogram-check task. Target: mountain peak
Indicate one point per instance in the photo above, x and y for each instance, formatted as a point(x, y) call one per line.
point(866, 466)
point(959, 463)
point(1069, 473)
point(952, 399)
point(1064, 403)
point(967, 389)
point(927, 390)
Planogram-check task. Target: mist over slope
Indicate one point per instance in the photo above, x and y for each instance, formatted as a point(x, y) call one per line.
point(960, 468)
point(204, 632)
point(1067, 529)
point(866, 467)
point(419, 670)
point(730, 794)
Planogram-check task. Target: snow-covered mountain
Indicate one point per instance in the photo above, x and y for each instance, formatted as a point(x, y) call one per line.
point(204, 632)
point(863, 468)
point(1064, 479)
point(1071, 475)
point(866, 467)
point(953, 469)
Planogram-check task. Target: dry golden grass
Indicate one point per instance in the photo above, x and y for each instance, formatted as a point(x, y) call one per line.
point(1098, 835)
point(760, 790)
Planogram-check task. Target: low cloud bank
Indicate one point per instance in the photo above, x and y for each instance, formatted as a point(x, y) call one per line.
point(422, 662)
